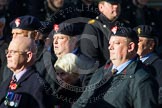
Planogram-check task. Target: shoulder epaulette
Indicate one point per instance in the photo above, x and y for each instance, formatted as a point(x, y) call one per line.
point(91, 21)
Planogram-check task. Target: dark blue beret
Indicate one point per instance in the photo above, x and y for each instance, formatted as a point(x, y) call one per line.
point(70, 29)
point(26, 23)
point(125, 32)
point(146, 31)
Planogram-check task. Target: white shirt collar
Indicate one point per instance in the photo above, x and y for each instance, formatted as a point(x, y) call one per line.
point(20, 74)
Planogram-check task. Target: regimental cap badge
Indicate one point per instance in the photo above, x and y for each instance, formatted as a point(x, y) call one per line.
point(56, 27)
point(139, 31)
point(91, 21)
point(17, 22)
point(114, 29)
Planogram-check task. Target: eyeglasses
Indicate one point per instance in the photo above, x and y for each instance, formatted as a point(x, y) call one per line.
point(12, 52)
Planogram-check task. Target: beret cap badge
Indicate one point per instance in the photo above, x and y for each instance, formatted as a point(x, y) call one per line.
point(17, 22)
point(114, 29)
point(56, 27)
point(139, 31)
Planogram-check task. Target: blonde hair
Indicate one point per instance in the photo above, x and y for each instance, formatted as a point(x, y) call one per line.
point(73, 64)
point(67, 63)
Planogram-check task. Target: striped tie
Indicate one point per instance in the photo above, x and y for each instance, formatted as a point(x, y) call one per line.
point(14, 80)
point(13, 84)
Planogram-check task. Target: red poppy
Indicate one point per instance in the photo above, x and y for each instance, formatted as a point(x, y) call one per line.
point(13, 86)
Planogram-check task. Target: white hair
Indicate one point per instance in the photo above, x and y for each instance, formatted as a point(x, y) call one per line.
point(67, 63)
point(71, 63)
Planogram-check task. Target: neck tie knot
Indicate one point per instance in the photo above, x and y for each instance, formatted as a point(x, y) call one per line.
point(114, 71)
point(13, 84)
point(14, 80)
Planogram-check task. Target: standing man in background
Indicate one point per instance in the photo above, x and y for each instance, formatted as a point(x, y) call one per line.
point(94, 40)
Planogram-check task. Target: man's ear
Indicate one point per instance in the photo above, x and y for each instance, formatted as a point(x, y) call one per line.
point(29, 56)
point(100, 6)
point(151, 44)
point(131, 46)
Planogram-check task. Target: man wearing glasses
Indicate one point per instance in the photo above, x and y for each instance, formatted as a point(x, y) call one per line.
point(31, 27)
point(24, 88)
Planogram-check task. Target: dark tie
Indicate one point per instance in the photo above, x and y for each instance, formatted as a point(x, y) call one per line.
point(14, 80)
point(13, 84)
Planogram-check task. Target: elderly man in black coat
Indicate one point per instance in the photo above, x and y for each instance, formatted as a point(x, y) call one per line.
point(30, 26)
point(24, 88)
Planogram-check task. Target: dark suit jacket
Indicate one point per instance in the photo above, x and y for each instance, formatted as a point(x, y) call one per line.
point(32, 89)
point(155, 62)
point(127, 89)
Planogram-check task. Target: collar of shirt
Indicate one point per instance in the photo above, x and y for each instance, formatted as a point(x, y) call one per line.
point(20, 74)
point(122, 66)
point(145, 57)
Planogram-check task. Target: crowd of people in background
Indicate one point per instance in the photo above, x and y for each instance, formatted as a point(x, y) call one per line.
point(80, 54)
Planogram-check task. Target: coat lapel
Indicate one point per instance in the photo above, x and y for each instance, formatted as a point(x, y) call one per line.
point(26, 75)
point(4, 88)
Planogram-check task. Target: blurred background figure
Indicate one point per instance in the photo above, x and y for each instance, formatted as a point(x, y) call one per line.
point(3, 47)
point(159, 49)
point(3, 7)
point(58, 11)
point(86, 8)
point(136, 12)
point(52, 7)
